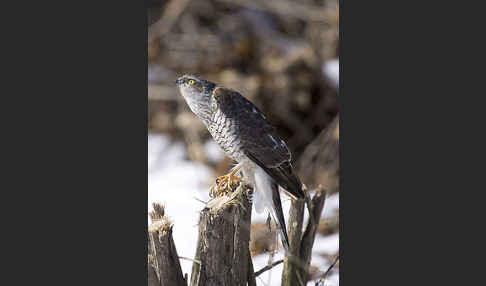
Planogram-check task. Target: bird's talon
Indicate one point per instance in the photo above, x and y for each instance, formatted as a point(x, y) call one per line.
point(224, 184)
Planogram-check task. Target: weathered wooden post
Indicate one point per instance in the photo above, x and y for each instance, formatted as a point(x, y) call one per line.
point(164, 268)
point(222, 255)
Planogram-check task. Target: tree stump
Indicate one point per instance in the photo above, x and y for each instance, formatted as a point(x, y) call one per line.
point(222, 255)
point(164, 268)
point(309, 234)
point(296, 265)
point(292, 262)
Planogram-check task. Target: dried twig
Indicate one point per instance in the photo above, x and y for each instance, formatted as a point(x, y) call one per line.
point(330, 267)
point(199, 200)
point(268, 267)
point(323, 276)
point(190, 259)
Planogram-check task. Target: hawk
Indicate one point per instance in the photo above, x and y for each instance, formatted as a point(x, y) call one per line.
point(246, 136)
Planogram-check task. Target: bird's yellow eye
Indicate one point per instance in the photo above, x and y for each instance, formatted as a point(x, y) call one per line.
point(191, 81)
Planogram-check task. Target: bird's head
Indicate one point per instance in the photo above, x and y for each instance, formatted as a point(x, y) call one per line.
point(195, 89)
point(197, 94)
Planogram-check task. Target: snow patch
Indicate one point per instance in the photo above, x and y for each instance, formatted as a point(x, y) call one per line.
point(331, 71)
point(175, 181)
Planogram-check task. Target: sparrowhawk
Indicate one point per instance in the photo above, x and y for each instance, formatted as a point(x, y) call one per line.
point(245, 135)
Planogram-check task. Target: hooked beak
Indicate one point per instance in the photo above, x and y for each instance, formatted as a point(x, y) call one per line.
point(178, 81)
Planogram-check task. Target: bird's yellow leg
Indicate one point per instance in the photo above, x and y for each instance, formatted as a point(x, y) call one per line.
point(224, 184)
point(231, 176)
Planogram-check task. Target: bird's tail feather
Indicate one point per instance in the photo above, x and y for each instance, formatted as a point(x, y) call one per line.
point(280, 220)
point(267, 191)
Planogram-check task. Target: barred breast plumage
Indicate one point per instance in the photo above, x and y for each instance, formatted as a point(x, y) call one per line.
point(224, 130)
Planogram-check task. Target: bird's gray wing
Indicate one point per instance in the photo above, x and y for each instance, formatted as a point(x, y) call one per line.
point(259, 139)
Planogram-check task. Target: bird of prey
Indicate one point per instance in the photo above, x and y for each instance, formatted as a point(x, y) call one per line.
point(246, 136)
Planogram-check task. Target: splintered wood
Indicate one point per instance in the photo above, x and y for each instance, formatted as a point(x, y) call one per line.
point(223, 242)
point(164, 268)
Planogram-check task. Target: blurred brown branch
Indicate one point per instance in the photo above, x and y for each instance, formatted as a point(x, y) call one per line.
point(319, 163)
point(170, 15)
point(286, 8)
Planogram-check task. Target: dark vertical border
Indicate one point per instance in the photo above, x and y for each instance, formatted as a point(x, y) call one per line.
point(399, 101)
point(79, 166)
point(372, 197)
point(341, 104)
